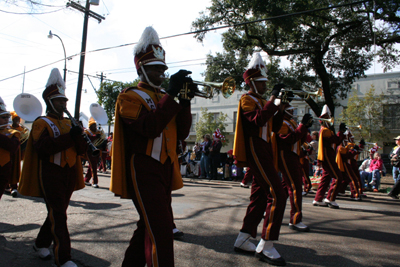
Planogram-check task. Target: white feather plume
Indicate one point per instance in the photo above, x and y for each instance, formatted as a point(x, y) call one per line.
point(149, 37)
point(1, 101)
point(256, 61)
point(55, 78)
point(326, 110)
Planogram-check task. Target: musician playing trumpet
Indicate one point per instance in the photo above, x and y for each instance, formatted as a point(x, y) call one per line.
point(52, 170)
point(9, 151)
point(94, 134)
point(289, 148)
point(326, 155)
point(149, 122)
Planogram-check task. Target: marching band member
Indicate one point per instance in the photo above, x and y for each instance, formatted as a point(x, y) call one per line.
point(9, 151)
point(52, 170)
point(326, 154)
point(145, 166)
point(305, 151)
point(93, 133)
point(288, 139)
point(253, 148)
point(16, 125)
point(344, 154)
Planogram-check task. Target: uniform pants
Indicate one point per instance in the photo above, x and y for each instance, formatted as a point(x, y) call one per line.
point(103, 157)
point(152, 241)
point(305, 174)
point(93, 161)
point(5, 177)
point(267, 193)
point(248, 177)
point(57, 185)
point(330, 171)
point(289, 165)
point(355, 184)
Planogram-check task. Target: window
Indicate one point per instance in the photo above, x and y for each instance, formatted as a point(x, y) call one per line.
point(392, 118)
point(393, 84)
point(194, 121)
point(216, 116)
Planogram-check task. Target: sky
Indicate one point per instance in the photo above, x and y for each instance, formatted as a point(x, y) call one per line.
point(24, 44)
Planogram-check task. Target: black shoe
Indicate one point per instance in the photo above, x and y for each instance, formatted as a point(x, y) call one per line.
point(178, 235)
point(393, 196)
point(243, 251)
point(277, 262)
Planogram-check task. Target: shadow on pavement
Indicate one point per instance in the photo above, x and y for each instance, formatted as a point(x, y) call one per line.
point(94, 206)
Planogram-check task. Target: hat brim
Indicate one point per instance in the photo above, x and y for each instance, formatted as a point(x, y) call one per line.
point(58, 96)
point(260, 79)
point(155, 63)
point(5, 112)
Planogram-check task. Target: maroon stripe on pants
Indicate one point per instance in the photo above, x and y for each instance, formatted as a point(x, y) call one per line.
point(267, 193)
point(290, 167)
point(57, 184)
point(330, 171)
point(152, 241)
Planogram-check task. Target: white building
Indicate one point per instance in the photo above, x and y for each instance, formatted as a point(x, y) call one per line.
point(388, 83)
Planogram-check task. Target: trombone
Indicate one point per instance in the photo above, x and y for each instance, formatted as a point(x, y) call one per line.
point(227, 88)
point(330, 120)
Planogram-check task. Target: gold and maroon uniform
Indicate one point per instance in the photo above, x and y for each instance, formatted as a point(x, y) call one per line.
point(52, 170)
point(289, 149)
point(145, 168)
point(10, 162)
point(253, 148)
point(327, 155)
point(93, 161)
point(343, 159)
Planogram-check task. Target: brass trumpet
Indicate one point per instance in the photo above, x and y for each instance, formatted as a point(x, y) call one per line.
point(351, 126)
point(330, 120)
point(227, 88)
point(307, 95)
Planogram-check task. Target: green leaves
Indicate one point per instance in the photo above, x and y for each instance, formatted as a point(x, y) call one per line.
point(209, 122)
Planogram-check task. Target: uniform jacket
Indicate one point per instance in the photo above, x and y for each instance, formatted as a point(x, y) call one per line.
point(255, 118)
point(141, 129)
point(9, 152)
point(57, 148)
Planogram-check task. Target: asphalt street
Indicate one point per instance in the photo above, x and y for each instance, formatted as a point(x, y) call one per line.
point(210, 213)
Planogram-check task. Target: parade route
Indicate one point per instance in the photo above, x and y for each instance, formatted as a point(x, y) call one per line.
point(210, 213)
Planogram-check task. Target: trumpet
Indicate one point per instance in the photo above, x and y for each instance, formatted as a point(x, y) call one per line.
point(93, 150)
point(330, 120)
point(351, 126)
point(227, 88)
point(306, 95)
point(369, 143)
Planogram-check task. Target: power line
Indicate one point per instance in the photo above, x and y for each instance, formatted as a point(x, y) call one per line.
point(32, 13)
point(200, 31)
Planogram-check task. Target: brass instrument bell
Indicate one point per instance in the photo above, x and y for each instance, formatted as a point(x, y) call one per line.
point(227, 88)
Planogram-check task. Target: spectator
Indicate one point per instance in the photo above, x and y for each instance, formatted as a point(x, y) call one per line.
point(313, 152)
point(395, 160)
point(204, 161)
point(215, 157)
point(376, 167)
point(228, 165)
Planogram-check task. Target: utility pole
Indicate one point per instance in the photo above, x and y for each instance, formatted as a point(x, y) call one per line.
point(102, 77)
point(88, 13)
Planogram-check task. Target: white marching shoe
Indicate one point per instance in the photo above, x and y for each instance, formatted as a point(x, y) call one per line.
point(331, 204)
point(301, 227)
point(266, 252)
point(243, 244)
point(69, 264)
point(43, 253)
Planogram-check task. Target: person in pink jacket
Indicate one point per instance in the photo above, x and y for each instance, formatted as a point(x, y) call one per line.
point(376, 167)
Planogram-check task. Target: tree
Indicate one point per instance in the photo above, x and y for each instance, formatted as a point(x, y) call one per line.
point(107, 96)
point(369, 112)
point(208, 123)
point(329, 48)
